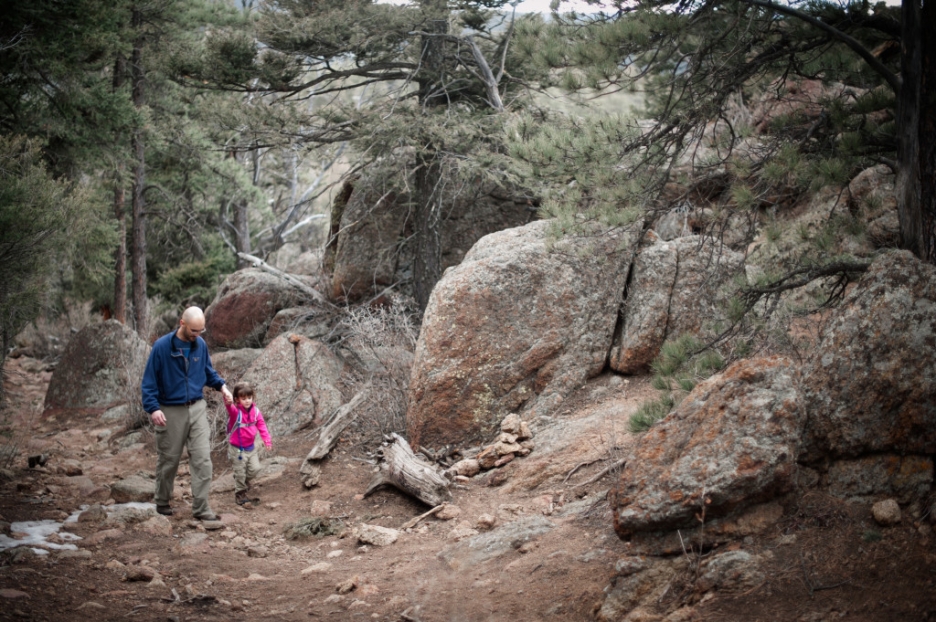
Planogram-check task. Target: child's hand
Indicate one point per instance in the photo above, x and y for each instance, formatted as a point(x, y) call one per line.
point(269, 447)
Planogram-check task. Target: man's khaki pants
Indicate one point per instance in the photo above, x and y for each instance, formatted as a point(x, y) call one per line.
point(186, 426)
point(246, 465)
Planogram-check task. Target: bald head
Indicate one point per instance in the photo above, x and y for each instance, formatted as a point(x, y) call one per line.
point(191, 325)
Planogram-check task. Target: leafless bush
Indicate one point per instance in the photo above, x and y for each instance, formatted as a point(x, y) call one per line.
point(379, 344)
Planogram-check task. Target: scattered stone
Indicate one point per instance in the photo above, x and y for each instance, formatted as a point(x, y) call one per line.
point(349, 585)
point(448, 512)
point(377, 535)
point(257, 551)
point(94, 514)
point(505, 459)
point(115, 565)
point(90, 605)
point(139, 573)
point(321, 508)
point(71, 468)
point(157, 526)
point(133, 488)
point(335, 553)
point(886, 512)
point(319, 567)
point(733, 570)
point(334, 598)
point(486, 522)
point(468, 467)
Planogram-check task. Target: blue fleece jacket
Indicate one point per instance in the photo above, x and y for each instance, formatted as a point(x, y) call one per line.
point(167, 379)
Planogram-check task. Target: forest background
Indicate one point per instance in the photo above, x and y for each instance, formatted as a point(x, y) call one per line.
point(146, 143)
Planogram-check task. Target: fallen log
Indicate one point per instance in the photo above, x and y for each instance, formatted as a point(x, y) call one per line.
point(326, 438)
point(402, 469)
point(309, 291)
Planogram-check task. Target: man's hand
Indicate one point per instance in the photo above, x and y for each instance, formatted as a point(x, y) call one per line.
point(228, 398)
point(158, 418)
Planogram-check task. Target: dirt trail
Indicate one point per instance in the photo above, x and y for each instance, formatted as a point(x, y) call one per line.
point(824, 561)
point(249, 569)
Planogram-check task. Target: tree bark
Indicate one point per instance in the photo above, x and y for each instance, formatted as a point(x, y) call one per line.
point(120, 253)
point(916, 151)
point(138, 207)
point(427, 261)
point(927, 134)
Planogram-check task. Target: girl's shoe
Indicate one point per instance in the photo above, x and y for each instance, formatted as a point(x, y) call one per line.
point(241, 499)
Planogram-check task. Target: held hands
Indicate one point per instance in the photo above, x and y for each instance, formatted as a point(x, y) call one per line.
point(226, 394)
point(158, 418)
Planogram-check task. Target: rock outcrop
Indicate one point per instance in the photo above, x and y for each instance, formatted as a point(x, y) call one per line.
point(297, 382)
point(646, 308)
point(674, 289)
point(515, 327)
point(101, 368)
point(871, 386)
point(246, 304)
point(730, 443)
point(370, 251)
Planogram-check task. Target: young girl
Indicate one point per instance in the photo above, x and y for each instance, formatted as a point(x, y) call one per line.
point(244, 422)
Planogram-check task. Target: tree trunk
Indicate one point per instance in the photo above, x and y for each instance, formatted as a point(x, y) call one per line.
point(241, 232)
point(916, 152)
point(927, 134)
point(401, 468)
point(138, 249)
point(427, 261)
point(120, 253)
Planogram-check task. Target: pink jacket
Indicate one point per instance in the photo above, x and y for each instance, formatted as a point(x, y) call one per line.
point(251, 422)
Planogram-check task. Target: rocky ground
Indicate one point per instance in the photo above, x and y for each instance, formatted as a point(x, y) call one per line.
point(530, 541)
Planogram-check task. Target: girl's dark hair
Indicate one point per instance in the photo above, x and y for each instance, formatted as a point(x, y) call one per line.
point(243, 390)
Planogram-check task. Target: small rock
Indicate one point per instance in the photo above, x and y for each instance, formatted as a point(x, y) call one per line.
point(71, 468)
point(377, 535)
point(886, 512)
point(133, 488)
point(139, 573)
point(448, 512)
point(101, 536)
point(486, 522)
point(502, 449)
point(157, 526)
point(504, 460)
point(334, 598)
point(94, 514)
point(468, 467)
point(511, 424)
point(90, 605)
point(335, 553)
point(348, 586)
point(257, 551)
point(319, 567)
point(69, 554)
point(321, 508)
point(507, 438)
point(115, 565)
point(487, 457)
point(524, 433)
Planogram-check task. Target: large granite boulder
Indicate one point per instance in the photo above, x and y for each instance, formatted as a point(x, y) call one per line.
point(519, 324)
point(731, 443)
point(102, 367)
point(675, 288)
point(244, 306)
point(370, 249)
point(297, 383)
point(646, 309)
point(233, 364)
point(871, 385)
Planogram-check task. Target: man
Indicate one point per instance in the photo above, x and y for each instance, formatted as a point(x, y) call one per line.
point(177, 370)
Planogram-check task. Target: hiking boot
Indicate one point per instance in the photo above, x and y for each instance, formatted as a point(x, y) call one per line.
point(165, 510)
point(210, 516)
